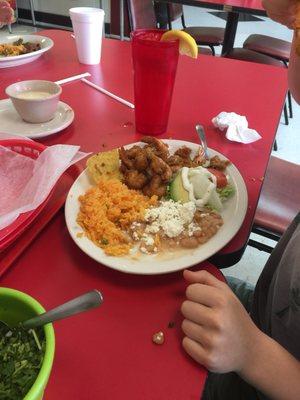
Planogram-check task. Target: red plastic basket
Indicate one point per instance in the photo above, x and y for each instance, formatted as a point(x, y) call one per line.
point(30, 149)
point(27, 148)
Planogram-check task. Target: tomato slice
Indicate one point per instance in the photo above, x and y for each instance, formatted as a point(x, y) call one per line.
point(221, 177)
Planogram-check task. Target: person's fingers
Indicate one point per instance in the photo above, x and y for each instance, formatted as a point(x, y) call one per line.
point(197, 313)
point(285, 19)
point(195, 350)
point(201, 276)
point(206, 295)
point(196, 332)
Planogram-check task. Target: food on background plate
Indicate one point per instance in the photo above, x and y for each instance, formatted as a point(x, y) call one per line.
point(21, 357)
point(18, 48)
point(148, 199)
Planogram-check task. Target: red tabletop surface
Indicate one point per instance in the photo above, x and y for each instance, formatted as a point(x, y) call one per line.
point(203, 88)
point(108, 353)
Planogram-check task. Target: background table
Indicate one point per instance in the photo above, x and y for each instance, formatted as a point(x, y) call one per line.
point(233, 8)
point(203, 88)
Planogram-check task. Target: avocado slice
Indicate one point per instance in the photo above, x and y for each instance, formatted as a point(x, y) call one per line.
point(177, 191)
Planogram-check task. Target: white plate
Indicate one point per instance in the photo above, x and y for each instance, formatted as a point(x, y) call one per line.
point(12, 123)
point(6, 62)
point(233, 216)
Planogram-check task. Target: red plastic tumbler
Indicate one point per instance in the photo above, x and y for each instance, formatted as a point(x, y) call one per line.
point(154, 65)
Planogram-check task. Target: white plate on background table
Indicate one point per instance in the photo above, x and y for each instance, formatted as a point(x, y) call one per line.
point(12, 123)
point(6, 62)
point(233, 215)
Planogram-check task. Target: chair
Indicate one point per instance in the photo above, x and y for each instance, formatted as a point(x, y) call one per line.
point(253, 56)
point(15, 7)
point(142, 16)
point(273, 47)
point(279, 201)
point(203, 35)
point(250, 55)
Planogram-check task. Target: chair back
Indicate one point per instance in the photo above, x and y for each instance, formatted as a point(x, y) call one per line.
point(141, 14)
point(175, 11)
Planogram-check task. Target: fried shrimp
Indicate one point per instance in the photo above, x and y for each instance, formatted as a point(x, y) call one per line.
point(133, 158)
point(150, 168)
point(135, 179)
point(199, 158)
point(128, 163)
point(141, 160)
point(145, 168)
point(183, 152)
point(217, 163)
point(162, 149)
point(155, 187)
point(161, 168)
point(175, 163)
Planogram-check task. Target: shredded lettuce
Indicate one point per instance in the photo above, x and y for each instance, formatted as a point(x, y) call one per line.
point(168, 195)
point(225, 192)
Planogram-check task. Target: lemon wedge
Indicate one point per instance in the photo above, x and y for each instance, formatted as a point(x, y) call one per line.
point(187, 44)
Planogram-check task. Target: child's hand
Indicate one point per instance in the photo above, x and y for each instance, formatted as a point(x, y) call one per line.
point(219, 332)
point(282, 11)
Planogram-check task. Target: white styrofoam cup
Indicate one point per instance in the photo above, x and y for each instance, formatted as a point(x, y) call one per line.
point(88, 27)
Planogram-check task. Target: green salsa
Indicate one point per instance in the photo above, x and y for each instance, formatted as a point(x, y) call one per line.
point(21, 357)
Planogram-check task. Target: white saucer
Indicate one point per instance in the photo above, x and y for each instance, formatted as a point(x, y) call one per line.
point(12, 123)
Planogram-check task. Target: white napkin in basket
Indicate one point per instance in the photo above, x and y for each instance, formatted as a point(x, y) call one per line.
point(237, 127)
point(25, 183)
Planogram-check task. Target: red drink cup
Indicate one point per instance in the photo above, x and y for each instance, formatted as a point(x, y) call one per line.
point(155, 65)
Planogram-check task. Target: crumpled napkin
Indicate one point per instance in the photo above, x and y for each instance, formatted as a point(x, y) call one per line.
point(26, 183)
point(237, 127)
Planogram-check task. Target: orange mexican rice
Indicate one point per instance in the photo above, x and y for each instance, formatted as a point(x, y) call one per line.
point(107, 210)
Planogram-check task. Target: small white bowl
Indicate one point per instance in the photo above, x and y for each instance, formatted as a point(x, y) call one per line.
point(36, 101)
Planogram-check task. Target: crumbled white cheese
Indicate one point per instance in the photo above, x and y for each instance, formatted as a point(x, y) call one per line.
point(203, 215)
point(192, 227)
point(147, 239)
point(135, 224)
point(135, 236)
point(170, 217)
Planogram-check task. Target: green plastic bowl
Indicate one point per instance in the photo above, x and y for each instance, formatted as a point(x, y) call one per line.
point(17, 306)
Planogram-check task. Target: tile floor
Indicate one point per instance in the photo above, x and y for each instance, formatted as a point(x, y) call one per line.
point(288, 137)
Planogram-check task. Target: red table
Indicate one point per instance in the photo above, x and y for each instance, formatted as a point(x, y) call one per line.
point(203, 88)
point(233, 8)
point(108, 352)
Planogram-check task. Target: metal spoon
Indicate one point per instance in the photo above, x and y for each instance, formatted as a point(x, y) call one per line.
point(202, 137)
point(82, 303)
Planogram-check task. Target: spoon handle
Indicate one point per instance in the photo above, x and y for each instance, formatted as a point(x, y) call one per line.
point(79, 304)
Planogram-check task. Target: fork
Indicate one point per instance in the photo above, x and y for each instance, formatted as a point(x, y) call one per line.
point(202, 137)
